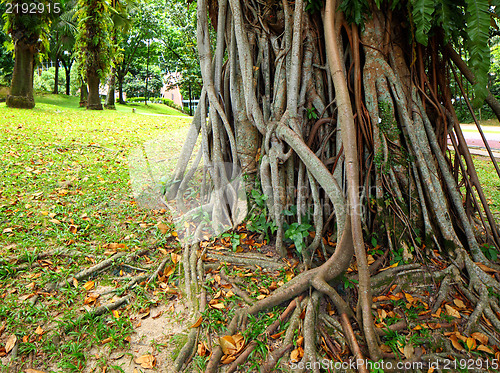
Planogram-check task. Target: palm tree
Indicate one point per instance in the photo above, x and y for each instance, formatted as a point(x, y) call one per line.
point(93, 46)
point(29, 35)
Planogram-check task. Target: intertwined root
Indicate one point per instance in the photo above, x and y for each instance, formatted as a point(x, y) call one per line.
point(373, 162)
point(326, 334)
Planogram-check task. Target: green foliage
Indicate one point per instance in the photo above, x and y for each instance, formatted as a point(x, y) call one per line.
point(313, 6)
point(355, 10)
point(234, 237)
point(93, 41)
point(422, 12)
point(298, 233)
point(30, 27)
point(135, 84)
point(478, 25)
point(258, 220)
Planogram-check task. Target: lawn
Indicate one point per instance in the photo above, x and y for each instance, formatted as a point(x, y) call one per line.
point(65, 191)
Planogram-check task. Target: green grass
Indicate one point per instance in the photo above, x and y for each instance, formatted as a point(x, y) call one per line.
point(63, 167)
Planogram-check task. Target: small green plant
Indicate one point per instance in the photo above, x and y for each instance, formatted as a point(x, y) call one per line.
point(490, 252)
point(258, 220)
point(298, 233)
point(311, 112)
point(234, 238)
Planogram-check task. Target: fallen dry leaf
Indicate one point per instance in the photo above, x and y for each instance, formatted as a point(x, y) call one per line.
point(162, 227)
point(485, 349)
point(452, 311)
point(197, 323)
point(228, 345)
point(296, 355)
point(459, 303)
point(75, 282)
point(89, 285)
point(455, 343)
point(175, 258)
point(483, 339)
point(146, 361)
point(39, 330)
point(11, 342)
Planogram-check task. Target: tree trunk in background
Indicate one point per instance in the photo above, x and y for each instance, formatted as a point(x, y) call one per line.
point(56, 77)
point(94, 100)
point(68, 80)
point(83, 95)
point(110, 98)
point(21, 90)
point(120, 90)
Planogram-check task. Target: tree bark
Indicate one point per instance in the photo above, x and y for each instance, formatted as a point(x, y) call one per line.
point(84, 94)
point(21, 91)
point(94, 100)
point(56, 77)
point(120, 90)
point(110, 98)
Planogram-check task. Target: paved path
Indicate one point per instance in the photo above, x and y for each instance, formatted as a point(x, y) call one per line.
point(473, 137)
point(475, 142)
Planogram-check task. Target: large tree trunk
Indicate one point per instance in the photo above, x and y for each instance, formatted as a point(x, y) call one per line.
point(110, 98)
point(372, 161)
point(94, 100)
point(21, 90)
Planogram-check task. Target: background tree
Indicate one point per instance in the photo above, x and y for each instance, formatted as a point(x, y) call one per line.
point(135, 82)
point(180, 52)
point(29, 36)
point(6, 57)
point(93, 46)
point(339, 111)
point(62, 41)
point(146, 21)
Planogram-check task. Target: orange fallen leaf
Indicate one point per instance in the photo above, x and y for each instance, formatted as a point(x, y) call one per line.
point(89, 285)
point(116, 314)
point(146, 361)
point(483, 339)
point(197, 323)
point(296, 355)
point(175, 258)
point(75, 282)
point(471, 343)
point(455, 343)
point(228, 345)
point(39, 330)
point(485, 349)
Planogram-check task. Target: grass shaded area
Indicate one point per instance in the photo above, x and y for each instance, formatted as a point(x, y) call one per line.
point(73, 103)
point(64, 186)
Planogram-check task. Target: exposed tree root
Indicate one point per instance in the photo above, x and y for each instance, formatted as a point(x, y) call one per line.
point(371, 172)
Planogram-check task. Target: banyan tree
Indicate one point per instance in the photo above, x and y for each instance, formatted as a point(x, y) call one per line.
point(343, 111)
